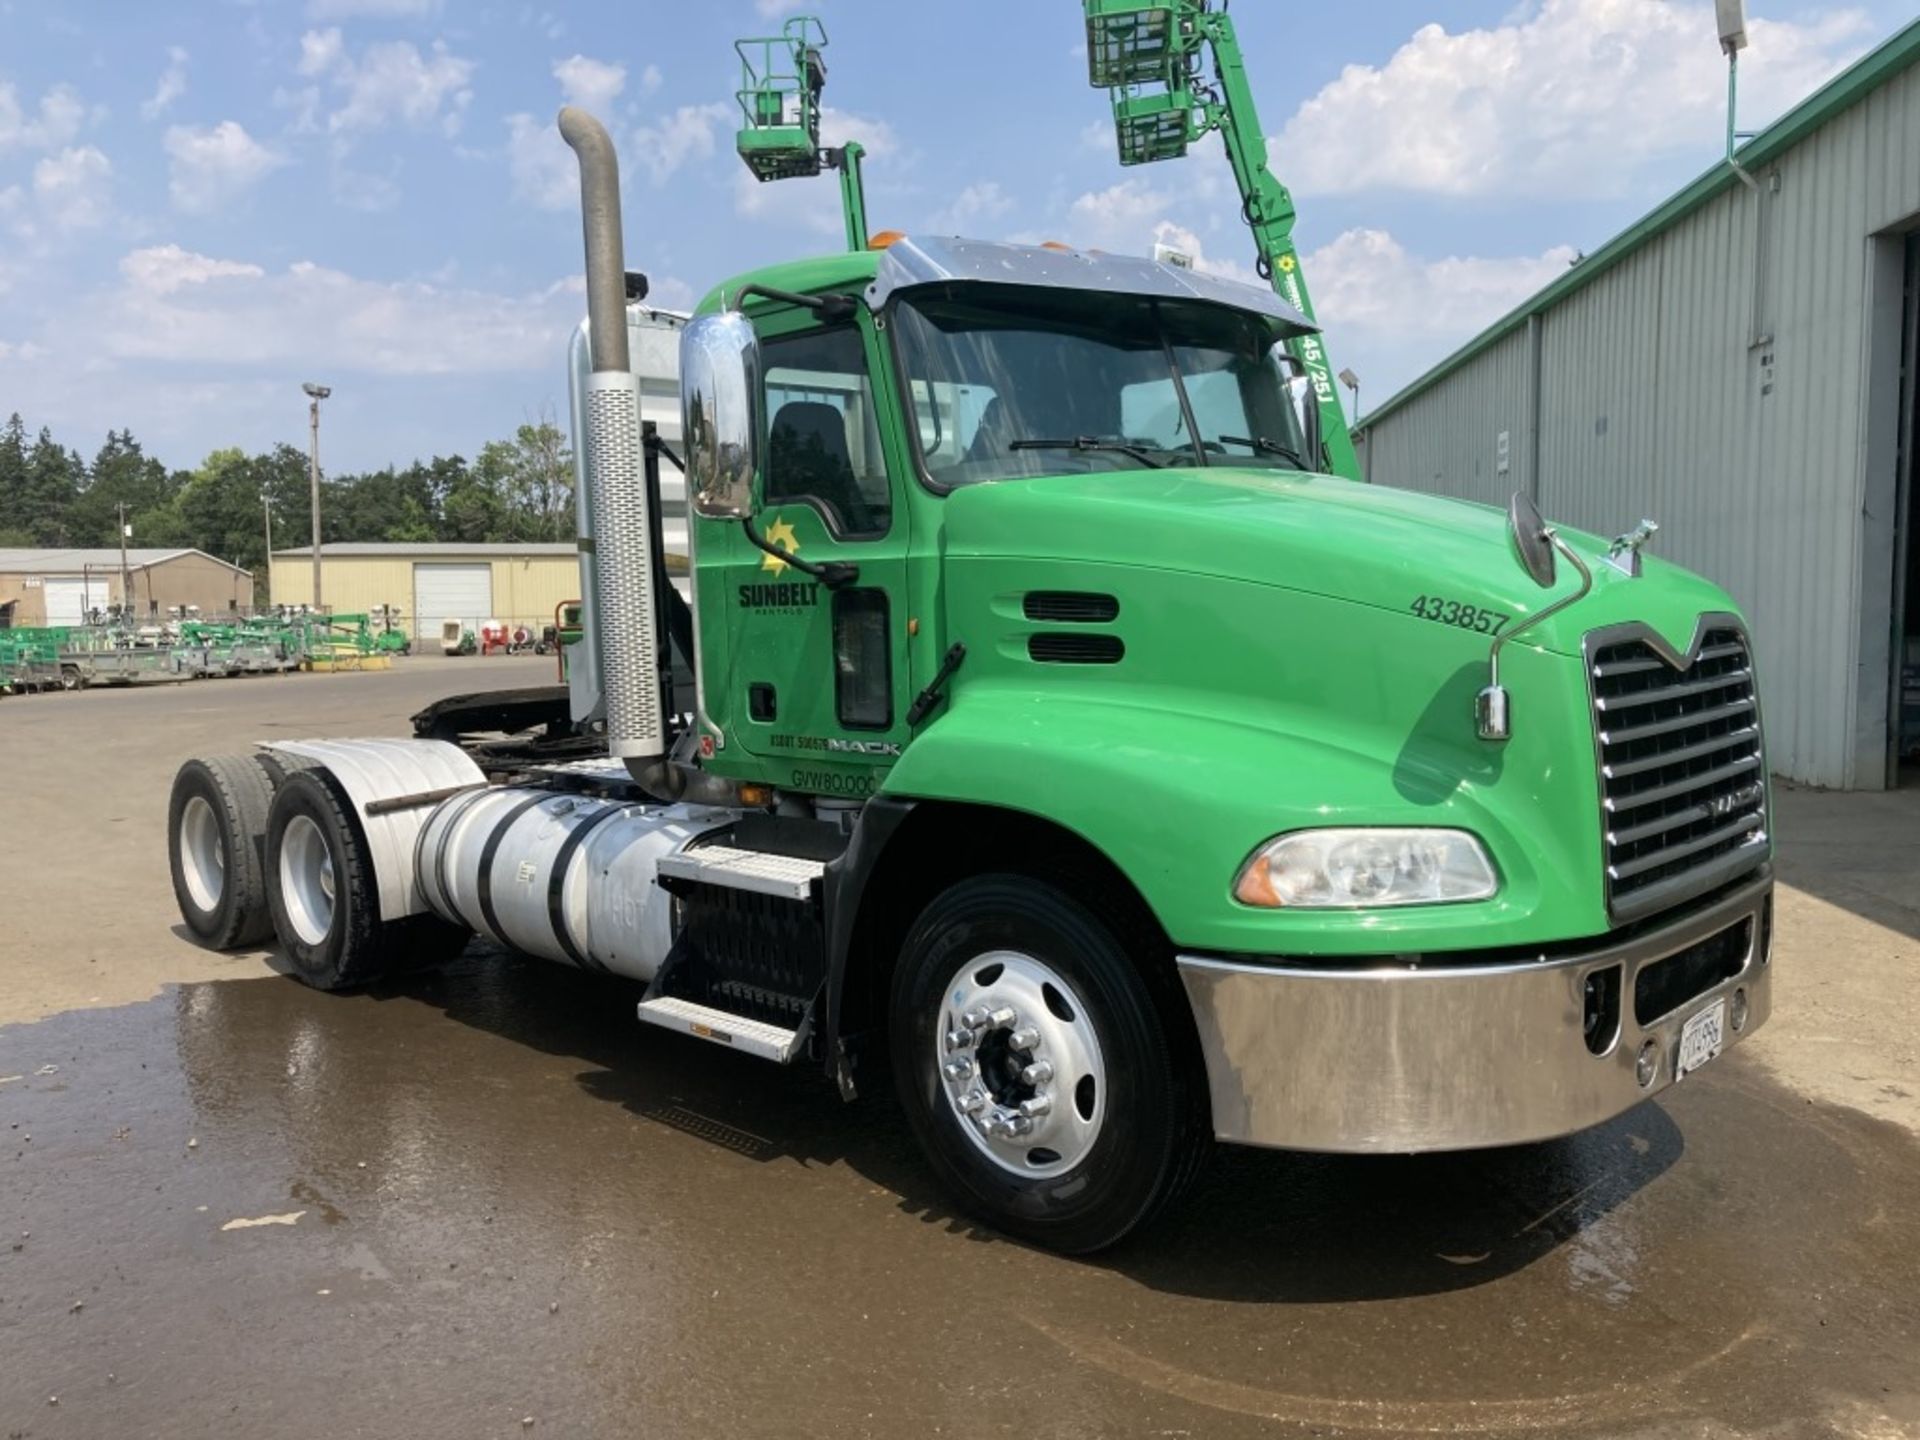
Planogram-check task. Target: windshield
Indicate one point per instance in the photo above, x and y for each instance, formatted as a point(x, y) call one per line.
point(1052, 384)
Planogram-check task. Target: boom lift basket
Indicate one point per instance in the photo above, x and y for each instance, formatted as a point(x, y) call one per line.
point(1128, 43)
point(781, 77)
point(1152, 127)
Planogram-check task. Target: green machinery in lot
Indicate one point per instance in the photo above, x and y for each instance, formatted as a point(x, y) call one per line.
point(1066, 748)
point(74, 657)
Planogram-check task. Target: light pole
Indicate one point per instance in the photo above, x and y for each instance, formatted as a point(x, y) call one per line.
point(318, 393)
point(1352, 382)
point(266, 510)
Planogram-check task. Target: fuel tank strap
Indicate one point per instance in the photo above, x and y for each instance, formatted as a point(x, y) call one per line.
point(485, 881)
point(557, 884)
point(456, 808)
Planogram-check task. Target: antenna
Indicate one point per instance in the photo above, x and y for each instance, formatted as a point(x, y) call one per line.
point(1732, 15)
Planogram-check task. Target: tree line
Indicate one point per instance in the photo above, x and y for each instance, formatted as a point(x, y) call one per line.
point(515, 490)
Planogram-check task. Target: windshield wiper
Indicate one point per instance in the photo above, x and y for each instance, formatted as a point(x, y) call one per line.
point(1264, 446)
point(1091, 442)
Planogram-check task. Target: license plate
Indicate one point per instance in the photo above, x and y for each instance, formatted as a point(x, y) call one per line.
point(1700, 1038)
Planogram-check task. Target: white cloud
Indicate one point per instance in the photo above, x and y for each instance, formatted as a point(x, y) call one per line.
point(23, 350)
point(539, 164)
point(591, 84)
point(542, 168)
point(1571, 96)
point(172, 85)
point(163, 269)
point(320, 51)
point(390, 81)
point(208, 166)
point(1366, 280)
point(837, 127)
point(370, 9)
point(1390, 314)
point(72, 187)
point(972, 210)
point(651, 79)
point(180, 307)
point(56, 121)
point(365, 191)
point(674, 140)
point(774, 9)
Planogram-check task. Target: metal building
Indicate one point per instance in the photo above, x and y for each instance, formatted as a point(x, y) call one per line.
point(1739, 365)
point(65, 587)
point(426, 584)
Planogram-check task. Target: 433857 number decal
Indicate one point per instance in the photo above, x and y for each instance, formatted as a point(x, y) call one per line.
point(1453, 612)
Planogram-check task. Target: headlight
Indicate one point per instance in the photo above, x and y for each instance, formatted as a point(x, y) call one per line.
point(1334, 869)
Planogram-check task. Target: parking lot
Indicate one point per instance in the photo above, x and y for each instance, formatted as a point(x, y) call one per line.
point(485, 1203)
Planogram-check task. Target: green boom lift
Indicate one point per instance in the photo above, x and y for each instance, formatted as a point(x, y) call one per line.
point(1149, 57)
point(781, 77)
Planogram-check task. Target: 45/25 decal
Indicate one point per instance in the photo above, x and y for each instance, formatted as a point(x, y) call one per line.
point(1454, 612)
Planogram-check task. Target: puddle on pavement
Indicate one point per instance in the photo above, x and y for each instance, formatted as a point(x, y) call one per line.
point(515, 1203)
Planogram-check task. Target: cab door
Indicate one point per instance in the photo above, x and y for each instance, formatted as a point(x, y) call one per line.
point(817, 682)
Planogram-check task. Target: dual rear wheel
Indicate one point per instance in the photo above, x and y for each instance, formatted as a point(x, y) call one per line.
point(268, 844)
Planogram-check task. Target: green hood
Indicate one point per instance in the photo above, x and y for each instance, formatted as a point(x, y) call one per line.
point(1317, 535)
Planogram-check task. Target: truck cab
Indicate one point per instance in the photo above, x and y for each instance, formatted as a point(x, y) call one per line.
point(1066, 750)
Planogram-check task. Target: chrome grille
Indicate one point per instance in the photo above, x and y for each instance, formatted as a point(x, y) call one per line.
point(1683, 777)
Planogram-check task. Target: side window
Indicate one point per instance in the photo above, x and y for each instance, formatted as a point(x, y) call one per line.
point(823, 442)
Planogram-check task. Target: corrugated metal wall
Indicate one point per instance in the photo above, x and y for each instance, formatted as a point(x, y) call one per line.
point(1446, 439)
point(1717, 380)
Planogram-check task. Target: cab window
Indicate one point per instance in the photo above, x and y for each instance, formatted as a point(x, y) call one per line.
point(823, 442)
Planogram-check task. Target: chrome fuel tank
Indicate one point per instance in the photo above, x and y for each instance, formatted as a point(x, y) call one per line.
point(568, 877)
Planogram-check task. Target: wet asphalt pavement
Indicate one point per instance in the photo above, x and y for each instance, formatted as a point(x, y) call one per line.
point(488, 1204)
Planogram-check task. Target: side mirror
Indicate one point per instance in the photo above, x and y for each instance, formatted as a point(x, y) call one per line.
point(720, 399)
point(1532, 541)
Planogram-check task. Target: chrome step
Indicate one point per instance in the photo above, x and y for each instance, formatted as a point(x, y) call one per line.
point(756, 1037)
point(786, 876)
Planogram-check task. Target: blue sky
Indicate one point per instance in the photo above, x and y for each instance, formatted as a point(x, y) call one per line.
point(202, 204)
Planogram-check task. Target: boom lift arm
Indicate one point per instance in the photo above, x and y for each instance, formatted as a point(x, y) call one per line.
point(781, 77)
point(1147, 54)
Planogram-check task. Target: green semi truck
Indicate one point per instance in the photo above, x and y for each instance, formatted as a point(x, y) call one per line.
point(1062, 752)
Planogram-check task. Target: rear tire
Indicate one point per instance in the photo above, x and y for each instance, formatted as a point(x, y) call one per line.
point(325, 899)
point(216, 821)
point(1126, 1124)
point(217, 843)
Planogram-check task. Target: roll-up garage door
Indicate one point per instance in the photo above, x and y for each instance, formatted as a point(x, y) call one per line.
point(69, 600)
point(451, 592)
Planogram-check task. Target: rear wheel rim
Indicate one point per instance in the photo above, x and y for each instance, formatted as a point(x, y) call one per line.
point(1019, 1064)
point(203, 856)
point(306, 879)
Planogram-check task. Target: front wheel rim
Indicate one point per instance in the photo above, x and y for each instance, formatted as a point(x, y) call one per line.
point(1019, 1063)
point(203, 858)
point(306, 879)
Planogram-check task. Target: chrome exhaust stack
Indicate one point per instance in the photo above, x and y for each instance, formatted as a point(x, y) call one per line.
point(622, 572)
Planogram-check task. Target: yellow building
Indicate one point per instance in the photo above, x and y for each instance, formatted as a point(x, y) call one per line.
point(427, 584)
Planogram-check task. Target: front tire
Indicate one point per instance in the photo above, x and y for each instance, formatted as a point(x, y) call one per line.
point(1041, 1068)
point(325, 898)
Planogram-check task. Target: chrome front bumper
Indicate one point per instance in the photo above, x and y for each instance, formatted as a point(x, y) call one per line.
point(1451, 1057)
